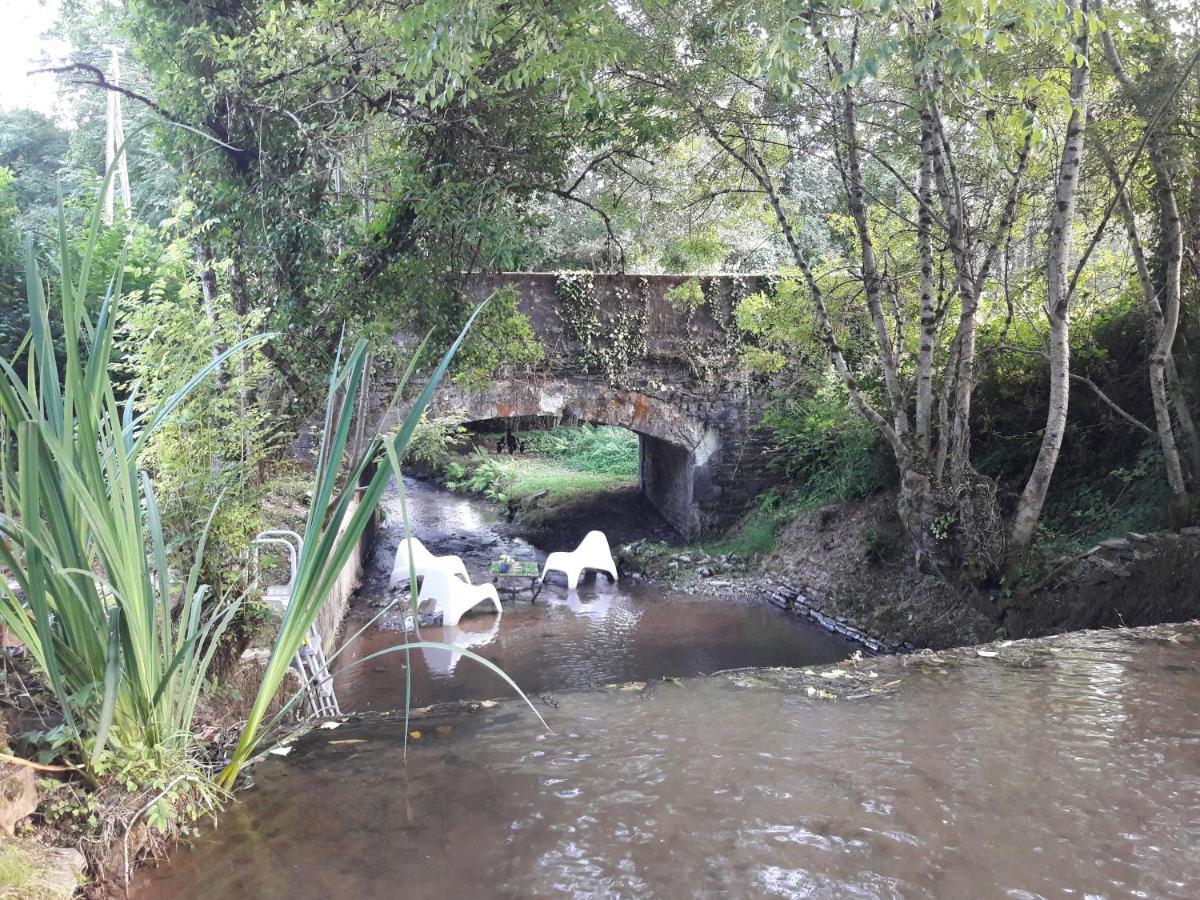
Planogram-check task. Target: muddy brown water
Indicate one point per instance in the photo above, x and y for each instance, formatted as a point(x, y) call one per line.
point(1074, 775)
point(601, 633)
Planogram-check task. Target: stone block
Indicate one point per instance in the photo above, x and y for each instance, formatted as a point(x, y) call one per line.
point(18, 795)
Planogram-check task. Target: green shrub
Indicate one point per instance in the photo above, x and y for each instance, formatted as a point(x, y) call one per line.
point(434, 440)
point(603, 449)
point(123, 645)
point(502, 336)
point(826, 449)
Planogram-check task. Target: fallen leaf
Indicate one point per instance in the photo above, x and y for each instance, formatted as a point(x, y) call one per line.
point(329, 726)
point(487, 704)
point(444, 729)
point(987, 654)
point(280, 751)
point(415, 734)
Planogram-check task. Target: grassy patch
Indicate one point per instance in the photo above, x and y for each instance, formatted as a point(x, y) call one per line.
point(603, 449)
point(25, 874)
point(530, 482)
point(560, 466)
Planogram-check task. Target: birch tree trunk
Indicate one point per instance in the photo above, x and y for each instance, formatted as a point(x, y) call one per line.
point(1164, 313)
point(928, 309)
point(1058, 304)
point(1164, 325)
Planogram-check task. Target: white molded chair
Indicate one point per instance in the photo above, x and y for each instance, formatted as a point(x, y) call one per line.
point(454, 597)
point(592, 553)
point(423, 562)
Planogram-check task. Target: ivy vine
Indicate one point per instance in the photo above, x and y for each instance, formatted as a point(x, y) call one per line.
point(611, 347)
point(709, 357)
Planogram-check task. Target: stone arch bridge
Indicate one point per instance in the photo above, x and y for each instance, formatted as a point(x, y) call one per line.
point(620, 351)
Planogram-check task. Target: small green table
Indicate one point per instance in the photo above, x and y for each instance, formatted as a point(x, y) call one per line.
point(520, 576)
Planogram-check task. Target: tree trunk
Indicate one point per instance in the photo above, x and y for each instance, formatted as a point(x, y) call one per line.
point(1164, 314)
point(1058, 306)
point(928, 305)
point(1166, 325)
point(872, 282)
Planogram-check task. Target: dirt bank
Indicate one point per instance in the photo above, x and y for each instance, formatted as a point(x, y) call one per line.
point(848, 566)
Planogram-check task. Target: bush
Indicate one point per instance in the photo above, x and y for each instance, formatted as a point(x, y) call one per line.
point(603, 449)
point(434, 440)
point(825, 448)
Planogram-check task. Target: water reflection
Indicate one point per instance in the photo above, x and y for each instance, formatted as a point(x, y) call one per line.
point(441, 663)
point(600, 633)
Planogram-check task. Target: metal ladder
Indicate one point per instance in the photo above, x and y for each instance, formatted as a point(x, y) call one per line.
point(309, 660)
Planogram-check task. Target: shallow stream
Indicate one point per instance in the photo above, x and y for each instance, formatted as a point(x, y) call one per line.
point(601, 633)
point(1067, 770)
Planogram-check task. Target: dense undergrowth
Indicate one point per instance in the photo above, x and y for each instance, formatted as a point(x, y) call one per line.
point(549, 468)
point(1109, 482)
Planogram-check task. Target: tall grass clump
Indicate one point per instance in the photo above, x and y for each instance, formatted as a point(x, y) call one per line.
point(347, 492)
point(122, 643)
point(603, 449)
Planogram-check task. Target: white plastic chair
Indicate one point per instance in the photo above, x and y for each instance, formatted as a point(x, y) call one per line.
point(592, 553)
point(454, 597)
point(423, 562)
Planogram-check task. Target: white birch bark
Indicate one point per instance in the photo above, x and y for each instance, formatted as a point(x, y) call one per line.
point(1058, 305)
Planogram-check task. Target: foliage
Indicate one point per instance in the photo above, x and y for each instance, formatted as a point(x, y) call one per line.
point(604, 449)
point(1123, 499)
point(503, 337)
point(124, 646)
point(824, 448)
point(562, 464)
point(479, 474)
point(436, 124)
point(219, 438)
point(434, 440)
point(608, 344)
point(686, 295)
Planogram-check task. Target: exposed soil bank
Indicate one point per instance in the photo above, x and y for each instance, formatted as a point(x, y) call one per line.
point(624, 515)
point(850, 562)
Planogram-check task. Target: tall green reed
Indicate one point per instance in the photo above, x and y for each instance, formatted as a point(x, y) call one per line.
point(335, 525)
point(124, 646)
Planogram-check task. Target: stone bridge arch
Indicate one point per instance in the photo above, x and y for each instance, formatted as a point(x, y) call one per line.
point(675, 448)
point(676, 381)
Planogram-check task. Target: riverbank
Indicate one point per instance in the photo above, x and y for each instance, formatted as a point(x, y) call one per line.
point(848, 565)
point(105, 826)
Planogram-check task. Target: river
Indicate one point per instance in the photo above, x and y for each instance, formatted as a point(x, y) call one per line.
point(1066, 770)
